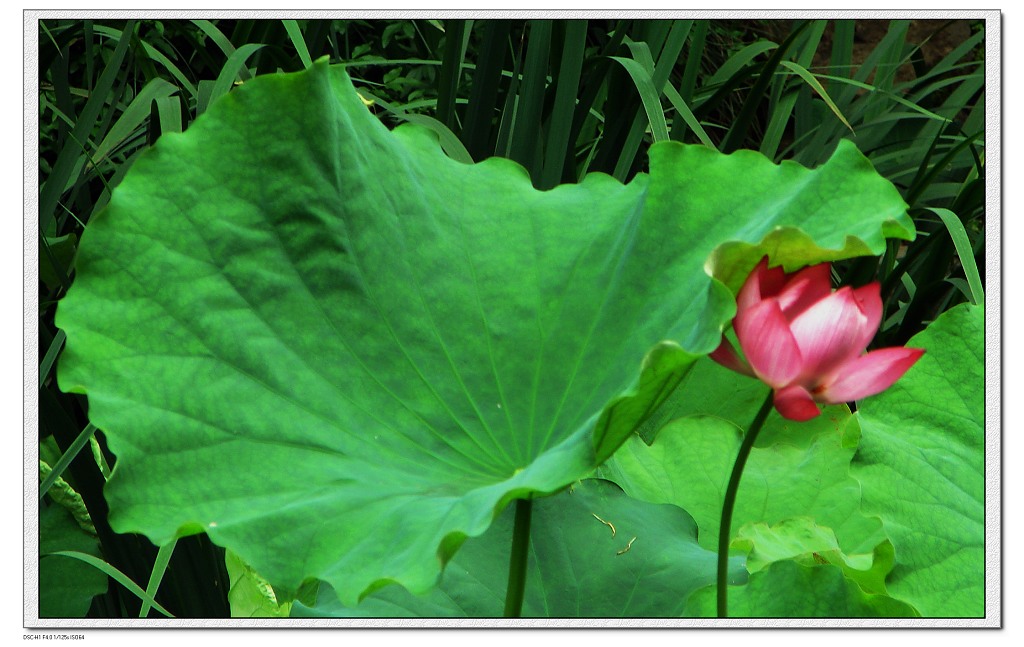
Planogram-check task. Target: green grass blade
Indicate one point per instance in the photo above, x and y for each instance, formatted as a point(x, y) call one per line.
point(809, 79)
point(120, 577)
point(155, 54)
point(62, 464)
point(233, 69)
point(963, 249)
point(698, 38)
point(449, 142)
point(526, 132)
point(785, 97)
point(887, 94)
point(923, 180)
point(222, 42)
point(132, 117)
point(564, 108)
point(687, 116)
point(61, 174)
point(506, 126)
point(737, 133)
point(90, 53)
point(669, 38)
point(50, 356)
point(648, 96)
point(163, 557)
point(169, 112)
point(739, 61)
point(456, 39)
point(295, 34)
point(483, 98)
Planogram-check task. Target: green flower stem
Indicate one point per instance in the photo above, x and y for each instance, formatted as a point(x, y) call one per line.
point(517, 561)
point(730, 500)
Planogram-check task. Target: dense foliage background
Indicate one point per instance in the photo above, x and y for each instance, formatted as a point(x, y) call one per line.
point(562, 98)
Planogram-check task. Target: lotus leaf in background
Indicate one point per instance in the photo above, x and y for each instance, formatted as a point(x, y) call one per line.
point(921, 463)
point(596, 554)
point(340, 353)
point(788, 589)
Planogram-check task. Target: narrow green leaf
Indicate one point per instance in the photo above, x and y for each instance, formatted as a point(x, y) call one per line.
point(964, 251)
point(120, 577)
point(669, 39)
point(526, 132)
point(449, 142)
point(813, 82)
point(163, 557)
point(693, 60)
point(66, 458)
point(155, 54)
point(295, 35)
point(888, 95)
point(222, 41)
point(133, 116)
point(233, 69)
point(570, 69)
point(483, 98)
point(648, 95)
point(687, 115)
point(738, 61)
point(506, 127)
point(925, 176)
point(50, 356)
point(737, 133)
point(69, 157)
point(456, 40)
point(169, 112)
point(204, 94)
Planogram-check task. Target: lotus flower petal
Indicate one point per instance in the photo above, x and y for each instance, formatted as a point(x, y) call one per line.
point(870, 374)
point(727, 356)
point(763, 282)
point(869, 300)
point(804, 289)
point(795, 402)
point(768, 344)
point(830, 333)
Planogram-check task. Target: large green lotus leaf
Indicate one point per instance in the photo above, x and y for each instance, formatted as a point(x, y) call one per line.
point(922, 466)
point(787, 589)
point(794, 469)
point(578, 567)
point(340, 353)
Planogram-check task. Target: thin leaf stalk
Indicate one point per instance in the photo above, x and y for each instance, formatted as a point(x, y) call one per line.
point(516, 589)
point(730, 501)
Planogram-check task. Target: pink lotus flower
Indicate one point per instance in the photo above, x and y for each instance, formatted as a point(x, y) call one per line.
point(807, 342)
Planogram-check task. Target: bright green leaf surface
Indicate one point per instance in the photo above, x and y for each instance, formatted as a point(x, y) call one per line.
point(807, 543)
point(794, 469)
point(790, 590)
point(66, 586)
point(922, 466)
point(340, 353)
point(249, 595)
point(575, 569)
